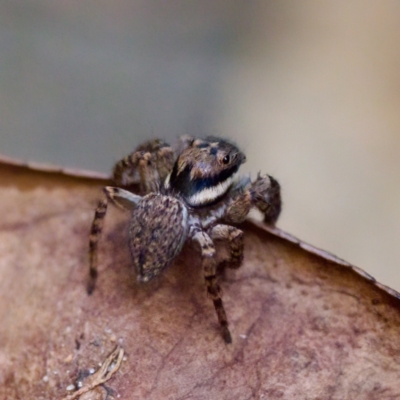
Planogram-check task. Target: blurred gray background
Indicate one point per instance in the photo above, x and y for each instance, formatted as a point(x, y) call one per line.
point(310, 90)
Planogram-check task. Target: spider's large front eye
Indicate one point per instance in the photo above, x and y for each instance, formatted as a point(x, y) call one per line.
point(226, 159)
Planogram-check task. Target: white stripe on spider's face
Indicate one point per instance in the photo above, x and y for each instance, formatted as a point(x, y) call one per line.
point(210, 194)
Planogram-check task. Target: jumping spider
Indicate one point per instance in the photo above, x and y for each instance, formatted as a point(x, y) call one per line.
point(190, 192)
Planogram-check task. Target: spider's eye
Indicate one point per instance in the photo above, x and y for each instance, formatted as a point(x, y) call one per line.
point(226, 159)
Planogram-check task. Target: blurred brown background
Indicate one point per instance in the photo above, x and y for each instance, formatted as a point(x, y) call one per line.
point(310, 90)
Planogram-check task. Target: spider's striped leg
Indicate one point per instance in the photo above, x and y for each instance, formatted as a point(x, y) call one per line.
point(235, 241)
point(95, 234)
point(147, 166)
point(213, 289)
point(121, 198)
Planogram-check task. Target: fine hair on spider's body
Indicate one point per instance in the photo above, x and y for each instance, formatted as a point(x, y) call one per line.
point(190, 193)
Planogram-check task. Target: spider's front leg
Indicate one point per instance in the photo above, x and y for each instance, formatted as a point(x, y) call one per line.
point(123, 199)
point(234, 236)
point(213, 289)
point(264, 193)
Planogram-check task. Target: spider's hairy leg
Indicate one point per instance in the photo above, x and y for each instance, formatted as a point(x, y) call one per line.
point(95, 233)
point(213, 289)
point(235, 241)
point(264, 193)
point(147, 166)
point(184, 142)
point(121, 198)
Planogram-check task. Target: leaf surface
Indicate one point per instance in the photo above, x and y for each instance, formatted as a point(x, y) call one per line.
point(305, 325)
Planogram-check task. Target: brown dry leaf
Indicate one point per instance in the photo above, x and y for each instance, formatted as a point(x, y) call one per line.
point(304, 326)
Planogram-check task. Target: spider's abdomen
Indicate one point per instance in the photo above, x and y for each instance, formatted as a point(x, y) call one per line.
point(157, 233)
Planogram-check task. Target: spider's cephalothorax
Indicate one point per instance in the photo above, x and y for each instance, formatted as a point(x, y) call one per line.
point(194, 195)
point(204, 173)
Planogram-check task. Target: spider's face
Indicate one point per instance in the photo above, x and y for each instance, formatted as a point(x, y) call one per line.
point(204, 172)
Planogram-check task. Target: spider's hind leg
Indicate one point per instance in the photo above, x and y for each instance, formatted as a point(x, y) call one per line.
point(121, 198)
point(213, 289)
point(147, 166)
